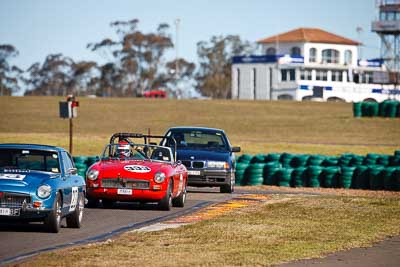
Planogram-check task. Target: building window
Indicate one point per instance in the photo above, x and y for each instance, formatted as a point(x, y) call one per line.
point(337, 76)
point(271, 51)
point(313, 55)
point(284, 75)
point(295, 51)
point(322, 75)
point(330, 56)
point(348, 56)
point(306, 75)
point(288, 75)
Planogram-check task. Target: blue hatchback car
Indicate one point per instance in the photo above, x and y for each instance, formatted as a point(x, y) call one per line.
point(40, 183)
point(207, 154)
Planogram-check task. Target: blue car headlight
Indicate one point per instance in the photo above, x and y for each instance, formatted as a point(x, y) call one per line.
point(218, 164)
point(44, 191)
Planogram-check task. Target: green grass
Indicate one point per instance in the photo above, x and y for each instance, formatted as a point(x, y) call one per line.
point(294, 228)
point(257, 126)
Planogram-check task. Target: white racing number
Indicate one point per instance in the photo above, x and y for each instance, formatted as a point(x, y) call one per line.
point(74, 198)
point(137, 168)
point(11, 176)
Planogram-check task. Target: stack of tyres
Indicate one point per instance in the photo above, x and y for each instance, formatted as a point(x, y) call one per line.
point(273, 157)
point(260, 158)
point(80, 164)
point(299, 177)
point(299, 161)
point(330, 161)
point(389, 178)
point(344, 159)
point(356, 160)
point(346, 176)
point(240, 171)
point(361, 178)
point(357, 109)
point(90, 161)
point(315, 160)
point(285, 159)
point(390, 109)
point(254, 174)
point(330, 177)
point(383, 160)
point(245, 158)
point(270, 169)
point(371, 159)
point(283, 176)
point(375, 177)
point(314, 176)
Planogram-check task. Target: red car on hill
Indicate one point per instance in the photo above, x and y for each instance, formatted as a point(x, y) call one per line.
point(136, 172)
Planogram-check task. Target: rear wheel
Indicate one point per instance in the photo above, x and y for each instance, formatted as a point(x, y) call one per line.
point(74, 220)
point(166, 202)
point(180, 200)
point(53, 220)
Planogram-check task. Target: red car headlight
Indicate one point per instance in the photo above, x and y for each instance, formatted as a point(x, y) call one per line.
point(92, 175)
point(159, 177)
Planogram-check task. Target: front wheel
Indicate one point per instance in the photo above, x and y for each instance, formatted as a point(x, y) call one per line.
point(53, 220)
point(228, 188)
point(166, 202)
point(74, 220)
point(180, 200)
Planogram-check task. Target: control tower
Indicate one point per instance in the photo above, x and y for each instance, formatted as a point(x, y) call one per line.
point(388, 29)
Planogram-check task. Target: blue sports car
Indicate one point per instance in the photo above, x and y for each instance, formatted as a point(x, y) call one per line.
point(40, 183)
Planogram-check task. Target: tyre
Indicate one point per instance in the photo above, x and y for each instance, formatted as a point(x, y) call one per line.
point(228, 188)
point(53, 220)
point(166, 202)
point(180, 200)
point(74, 220)
point(107, 203)
point(92, 202)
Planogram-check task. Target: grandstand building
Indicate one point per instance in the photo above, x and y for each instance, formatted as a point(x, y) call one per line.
point(310, 64)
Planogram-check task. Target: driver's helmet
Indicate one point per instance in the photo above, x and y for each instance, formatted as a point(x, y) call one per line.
point(123, 149)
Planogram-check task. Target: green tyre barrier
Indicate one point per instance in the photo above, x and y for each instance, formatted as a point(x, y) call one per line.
point(285, 159)
point(346, 177)
point(299, 177)
point(80, 159)
point(299, 161)
point(273, 157)
point(356, 160)
point(258, 159)
point(394, 161)
point(315, 160)
point(329, 177)
point(270, 169)
point(330, 161)
point(389, 179)
point(375, 179)
point(283, 176)
point(245, 158)
point(357, 109)
point(313, 173)
point(361, 178)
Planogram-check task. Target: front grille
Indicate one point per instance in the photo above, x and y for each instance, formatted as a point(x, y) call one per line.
point(198, 164)
point(125, 183)
point(14, 200)
point(187, 163)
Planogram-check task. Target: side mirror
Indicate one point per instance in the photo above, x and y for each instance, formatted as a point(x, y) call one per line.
point(235, 149)
point(72, 171)
point(178, 162)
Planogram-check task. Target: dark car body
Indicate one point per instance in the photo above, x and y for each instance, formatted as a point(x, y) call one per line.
point(40, 183)
point(207, 155)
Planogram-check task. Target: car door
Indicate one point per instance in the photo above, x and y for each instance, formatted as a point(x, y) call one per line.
point(74, 183)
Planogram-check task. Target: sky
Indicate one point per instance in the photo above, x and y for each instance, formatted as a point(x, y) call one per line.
point(38, 28)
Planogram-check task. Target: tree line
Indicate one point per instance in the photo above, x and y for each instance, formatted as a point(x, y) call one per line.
point(134, 62)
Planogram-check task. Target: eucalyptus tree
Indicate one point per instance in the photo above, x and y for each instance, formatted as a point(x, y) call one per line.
point(9, 75)
point(214, 74)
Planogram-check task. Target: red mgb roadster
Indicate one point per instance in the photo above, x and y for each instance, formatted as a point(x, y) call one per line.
point(128, 171)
